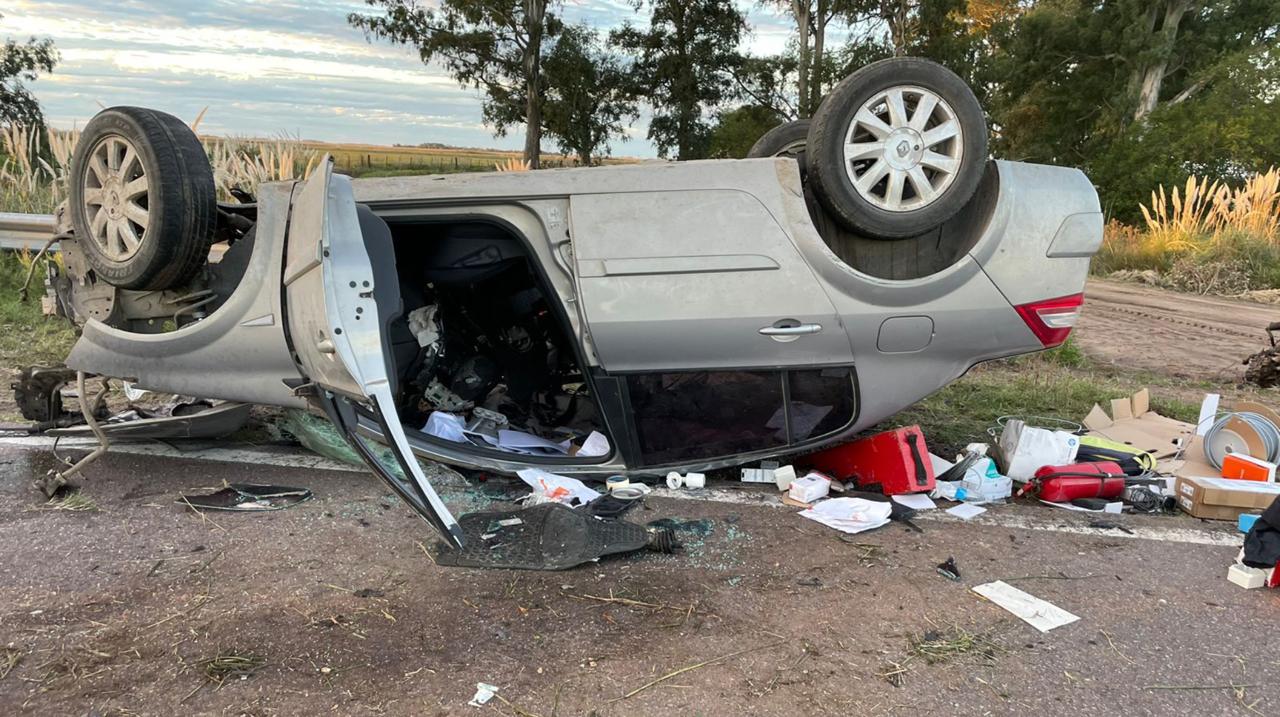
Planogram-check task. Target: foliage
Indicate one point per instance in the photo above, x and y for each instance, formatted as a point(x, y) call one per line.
point(739, 128)
point(20, 64)
point(685, 59)
point(1138, 93)
point(588, 94)
point(492, 45)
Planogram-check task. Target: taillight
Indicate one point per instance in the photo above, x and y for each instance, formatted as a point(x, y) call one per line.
point(1051, 320)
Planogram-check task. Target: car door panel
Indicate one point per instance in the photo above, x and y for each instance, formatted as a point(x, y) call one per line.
point(337, 336)
point(689, 280)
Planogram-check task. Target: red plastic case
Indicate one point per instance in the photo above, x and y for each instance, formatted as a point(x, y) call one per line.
point(897, 461)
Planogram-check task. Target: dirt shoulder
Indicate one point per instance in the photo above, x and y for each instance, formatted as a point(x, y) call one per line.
point(1179, 335)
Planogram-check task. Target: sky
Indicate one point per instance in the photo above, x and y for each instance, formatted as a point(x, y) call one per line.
point(268, 68)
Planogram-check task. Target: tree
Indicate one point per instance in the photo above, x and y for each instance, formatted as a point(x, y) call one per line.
point(588, 94)
point(812, 18)
point(769, 82)
point(1104, 86)
point(739, 128)
point(492, 45)
point(684, 64)
point(21, 63)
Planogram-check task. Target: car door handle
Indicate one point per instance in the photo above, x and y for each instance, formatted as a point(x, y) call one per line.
point(797, 330)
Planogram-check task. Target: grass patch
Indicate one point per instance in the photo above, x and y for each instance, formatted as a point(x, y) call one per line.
point(962, 412)
point(218, 668)
point(27, 336)
point(943, 646)
point(74, 501)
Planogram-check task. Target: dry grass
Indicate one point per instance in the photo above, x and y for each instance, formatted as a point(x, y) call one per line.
point(218, 668)
point(74, 501)
point(1205, 211)
point(1206, 236)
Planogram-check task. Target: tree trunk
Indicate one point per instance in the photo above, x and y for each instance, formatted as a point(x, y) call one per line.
point(800, 8)
point(819, 40)
point(534, 12)
point(1152, 76)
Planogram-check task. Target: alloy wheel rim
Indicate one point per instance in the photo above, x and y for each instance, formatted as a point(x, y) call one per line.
point(903, 148)
point(115, 197)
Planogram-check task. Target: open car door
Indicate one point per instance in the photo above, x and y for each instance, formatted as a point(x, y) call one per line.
point(336, 331)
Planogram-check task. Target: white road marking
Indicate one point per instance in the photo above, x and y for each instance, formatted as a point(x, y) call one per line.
point(1053, 522)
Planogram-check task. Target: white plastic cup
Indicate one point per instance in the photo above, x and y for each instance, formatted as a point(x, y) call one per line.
point(674, 481)
point(613, 483)
point(695, 480)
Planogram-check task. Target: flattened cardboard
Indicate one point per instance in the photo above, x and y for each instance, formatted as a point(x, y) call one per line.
point(1222, 498)
point(1134, 423)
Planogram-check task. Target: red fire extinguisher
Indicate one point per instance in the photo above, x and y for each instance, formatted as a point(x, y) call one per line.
point(1060, 484)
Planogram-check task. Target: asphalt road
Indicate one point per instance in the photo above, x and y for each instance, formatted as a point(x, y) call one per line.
point(120, 610)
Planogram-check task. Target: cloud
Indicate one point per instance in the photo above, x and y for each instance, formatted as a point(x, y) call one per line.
point(285, 66)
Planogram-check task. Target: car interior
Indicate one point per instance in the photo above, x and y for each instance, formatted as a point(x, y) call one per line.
point(476, 338)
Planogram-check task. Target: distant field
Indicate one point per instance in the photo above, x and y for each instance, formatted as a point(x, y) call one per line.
point(362, 159)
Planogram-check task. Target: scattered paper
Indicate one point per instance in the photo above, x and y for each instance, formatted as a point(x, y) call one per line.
point(521, 442)
point(965, 511)
point(558, 488)
point(940, 465)
point(449, 426)
point(1208, 412)
point(484, 693)
point(595, 446)
point(1042, 615)
point(850, 515)
point(915, 501)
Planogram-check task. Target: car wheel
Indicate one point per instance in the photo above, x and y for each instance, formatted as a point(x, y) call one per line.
point(786, 140)
point(142, 199)
point(897, 148)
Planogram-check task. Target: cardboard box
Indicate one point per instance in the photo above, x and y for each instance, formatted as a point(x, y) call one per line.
point(1133, 422)
point(1223, 498)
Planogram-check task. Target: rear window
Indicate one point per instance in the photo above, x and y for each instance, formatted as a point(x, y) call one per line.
point(701, 415)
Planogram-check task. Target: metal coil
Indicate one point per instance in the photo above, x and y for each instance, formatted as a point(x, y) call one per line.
point(1267, 431)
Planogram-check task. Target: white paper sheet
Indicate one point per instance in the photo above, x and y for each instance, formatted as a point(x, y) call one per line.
point(521, 442)
point(1208, 412)
point(561, 489)
point(594, 446)
point(1042, 615)
point(965, 511)
point(850, 515)
point(448, 426)
point(915, 501)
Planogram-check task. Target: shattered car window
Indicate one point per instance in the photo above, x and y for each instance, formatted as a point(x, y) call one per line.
point(703, 414)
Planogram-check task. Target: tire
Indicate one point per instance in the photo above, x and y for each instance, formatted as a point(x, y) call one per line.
point(142, 199)
point(909, 181)
point(786, 140)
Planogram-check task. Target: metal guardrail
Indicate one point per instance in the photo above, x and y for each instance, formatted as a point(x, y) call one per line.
point(26, 231)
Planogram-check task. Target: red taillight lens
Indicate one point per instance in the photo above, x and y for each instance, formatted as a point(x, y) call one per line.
point(1051, 320)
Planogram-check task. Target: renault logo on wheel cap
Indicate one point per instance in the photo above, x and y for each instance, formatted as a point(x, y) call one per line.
point(903, 148)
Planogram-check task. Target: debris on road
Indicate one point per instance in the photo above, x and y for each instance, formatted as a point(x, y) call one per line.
point(484, 693)
point(896, 461)
point(949, 570)
point(965, 511)
point(247, 498)
point(1040, 614)
point(814, 486)
point(850, 515)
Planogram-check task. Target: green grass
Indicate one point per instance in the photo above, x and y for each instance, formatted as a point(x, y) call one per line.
point(1051, 385)
point(27, 337)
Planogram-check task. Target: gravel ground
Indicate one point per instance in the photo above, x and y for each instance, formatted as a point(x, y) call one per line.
point(127, 609)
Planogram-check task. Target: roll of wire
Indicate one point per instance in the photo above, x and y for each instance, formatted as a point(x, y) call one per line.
point(1216, 450)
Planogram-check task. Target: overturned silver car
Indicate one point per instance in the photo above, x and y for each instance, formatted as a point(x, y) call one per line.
point(622, 320)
